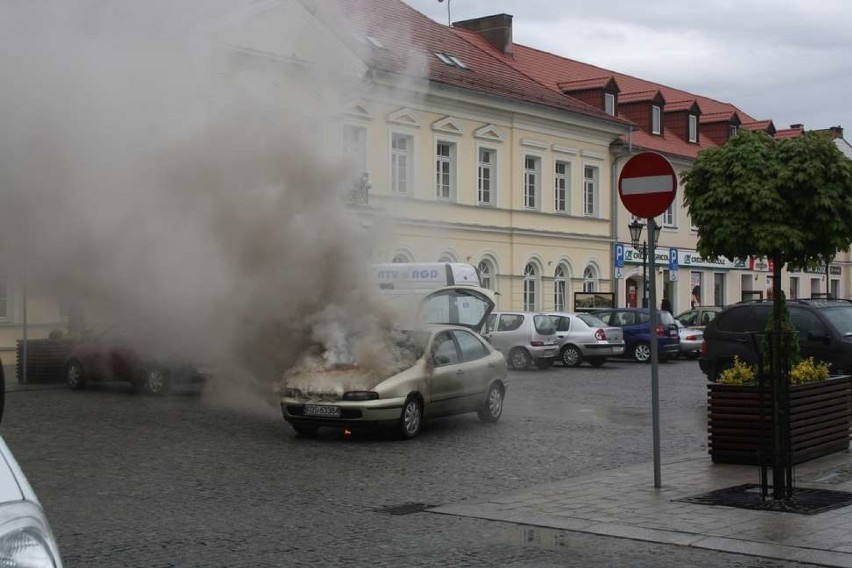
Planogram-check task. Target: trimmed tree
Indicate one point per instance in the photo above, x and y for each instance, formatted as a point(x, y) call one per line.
point(789, 200)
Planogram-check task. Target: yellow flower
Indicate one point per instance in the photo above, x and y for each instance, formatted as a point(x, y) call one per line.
point(808, 371)
point(741, 373)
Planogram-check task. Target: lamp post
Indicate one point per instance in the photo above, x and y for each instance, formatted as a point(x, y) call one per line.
point(635, 235)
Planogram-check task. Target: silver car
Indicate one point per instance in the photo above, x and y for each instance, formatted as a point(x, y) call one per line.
point(525, 338)
point(584, 337)
point(691, 340)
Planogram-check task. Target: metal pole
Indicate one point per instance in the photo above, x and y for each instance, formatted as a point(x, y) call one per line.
point(655, 376)
point(24, 376)
point(645, 273)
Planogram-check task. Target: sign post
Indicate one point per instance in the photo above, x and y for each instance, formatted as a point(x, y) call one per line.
point(647, 186)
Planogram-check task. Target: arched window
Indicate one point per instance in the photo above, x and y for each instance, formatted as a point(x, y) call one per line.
point(486, 274)
point(530, 287)
point(446, 258)
point(590, 279)
point(400, 258)
point(560, 288)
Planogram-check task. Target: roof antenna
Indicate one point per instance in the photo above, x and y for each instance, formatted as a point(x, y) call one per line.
point(449, 18)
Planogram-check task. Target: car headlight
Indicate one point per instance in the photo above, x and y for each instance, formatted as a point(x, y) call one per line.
point(292, 393)
point(360, 395)
point(25, 537)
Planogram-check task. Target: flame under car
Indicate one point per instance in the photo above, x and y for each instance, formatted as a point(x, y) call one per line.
point(447, 369)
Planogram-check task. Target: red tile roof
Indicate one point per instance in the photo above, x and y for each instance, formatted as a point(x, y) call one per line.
point(411, 41)
point(596, 83)
point(639, 97)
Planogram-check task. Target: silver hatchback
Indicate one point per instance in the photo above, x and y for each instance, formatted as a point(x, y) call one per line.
point(525, 338)
point(584, 337)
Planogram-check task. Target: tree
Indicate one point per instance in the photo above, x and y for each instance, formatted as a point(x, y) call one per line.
point(788, 200)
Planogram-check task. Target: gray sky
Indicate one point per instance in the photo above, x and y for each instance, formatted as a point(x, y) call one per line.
point(785, 60)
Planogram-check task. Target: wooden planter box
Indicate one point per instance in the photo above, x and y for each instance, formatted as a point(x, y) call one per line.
point(45, 360)
point(820, 419)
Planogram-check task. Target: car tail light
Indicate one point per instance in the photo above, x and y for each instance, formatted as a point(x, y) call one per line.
point(691, 337)
point(537, 343)
point(600, 335)
point(661, 331)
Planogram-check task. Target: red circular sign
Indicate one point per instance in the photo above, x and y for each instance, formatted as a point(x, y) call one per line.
point(647, 185)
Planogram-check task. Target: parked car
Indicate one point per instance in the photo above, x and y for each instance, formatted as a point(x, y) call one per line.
point(25, 535)
point(525, 338)
point(691, 339)
point(584, 337)
point(699, 316)
point(444, 368)
point(824, 328)
point(637, 340)
point(111, 356)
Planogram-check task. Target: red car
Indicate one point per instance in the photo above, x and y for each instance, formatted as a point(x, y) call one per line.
point(110, 357)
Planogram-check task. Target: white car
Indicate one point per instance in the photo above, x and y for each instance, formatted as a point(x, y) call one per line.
point(584, 337)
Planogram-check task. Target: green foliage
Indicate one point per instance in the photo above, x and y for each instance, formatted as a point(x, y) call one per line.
point(790, 200)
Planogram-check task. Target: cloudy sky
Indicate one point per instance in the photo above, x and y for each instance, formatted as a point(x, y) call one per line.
point(785, 60)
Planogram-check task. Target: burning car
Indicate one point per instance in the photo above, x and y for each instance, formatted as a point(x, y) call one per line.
point(441, 368)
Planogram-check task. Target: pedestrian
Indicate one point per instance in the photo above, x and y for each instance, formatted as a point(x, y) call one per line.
point(665, 305)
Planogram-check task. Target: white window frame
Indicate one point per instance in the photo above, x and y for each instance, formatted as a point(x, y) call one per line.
point(693, 128)
point(531, 286)
point(402, 186)
point(669, 216)
point(656, 119)
point(532, 190)
point(355, 148)
point(562, 187)
point(560, 289)
point(445, 167)
point(590, 279)
point(492, 169)
point(487, 273)
point(732, 131)
point(591, 186)
point(794, 288)
point(609, 104)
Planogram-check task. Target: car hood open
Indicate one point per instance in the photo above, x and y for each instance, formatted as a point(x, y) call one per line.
point(467, 306)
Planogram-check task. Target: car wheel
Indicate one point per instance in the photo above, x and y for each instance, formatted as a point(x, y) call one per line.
point(74, 376)
point(544, 364)
point(597, 361)
point(571, 356)
point(519, 358)
point(305, 431)
point(411, 419)
point(155, 380)
point(642, 352)
point(492, 409)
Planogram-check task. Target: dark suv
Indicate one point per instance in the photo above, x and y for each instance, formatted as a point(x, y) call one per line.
point(824, 328)
point(637, 340)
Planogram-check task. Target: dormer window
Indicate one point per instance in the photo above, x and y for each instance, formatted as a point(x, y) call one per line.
point(732, 131)
point(450, 60)
point(609, 104)
point(693, 128)
point(656, 120)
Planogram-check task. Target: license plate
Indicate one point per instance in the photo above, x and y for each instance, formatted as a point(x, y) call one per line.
point(322, 410)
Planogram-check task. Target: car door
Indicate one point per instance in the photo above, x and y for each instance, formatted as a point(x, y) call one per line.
point(447, 377)
point(478, 370)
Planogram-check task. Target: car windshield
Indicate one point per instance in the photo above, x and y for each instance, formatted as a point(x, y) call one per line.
point(590, 320)
point(841, 318)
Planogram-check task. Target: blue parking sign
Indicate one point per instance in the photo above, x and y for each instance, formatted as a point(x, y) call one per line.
point(619, 255)
point(673, 260)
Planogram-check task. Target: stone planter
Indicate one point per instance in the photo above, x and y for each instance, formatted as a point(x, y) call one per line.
point(820, 420)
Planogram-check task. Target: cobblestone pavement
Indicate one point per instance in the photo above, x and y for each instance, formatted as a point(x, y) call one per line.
point(134, 480)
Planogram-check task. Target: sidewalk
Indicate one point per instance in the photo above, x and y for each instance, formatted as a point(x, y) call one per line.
point(624, 503)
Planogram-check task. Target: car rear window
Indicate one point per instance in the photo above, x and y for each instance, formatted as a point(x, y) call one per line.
point(840, 318)
point(743, 319)
point(591, 321)
point(544, 325)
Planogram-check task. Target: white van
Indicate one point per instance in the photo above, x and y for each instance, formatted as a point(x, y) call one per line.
point(424, 277)
point(404, 285)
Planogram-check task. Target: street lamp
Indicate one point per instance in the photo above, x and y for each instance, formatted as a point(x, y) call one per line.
point(635, 235)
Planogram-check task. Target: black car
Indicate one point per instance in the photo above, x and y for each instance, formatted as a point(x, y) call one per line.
point(824, 328)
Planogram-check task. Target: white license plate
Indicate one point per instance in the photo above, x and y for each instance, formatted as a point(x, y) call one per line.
point(322, 410)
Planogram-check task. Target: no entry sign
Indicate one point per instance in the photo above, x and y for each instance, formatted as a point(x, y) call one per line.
point(647, 185)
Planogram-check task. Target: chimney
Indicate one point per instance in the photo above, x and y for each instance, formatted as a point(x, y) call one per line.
point(836, 131)
point(497, 30)
point(797, 126)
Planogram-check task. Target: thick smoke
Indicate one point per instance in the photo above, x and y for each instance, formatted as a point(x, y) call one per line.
point(152, 175)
